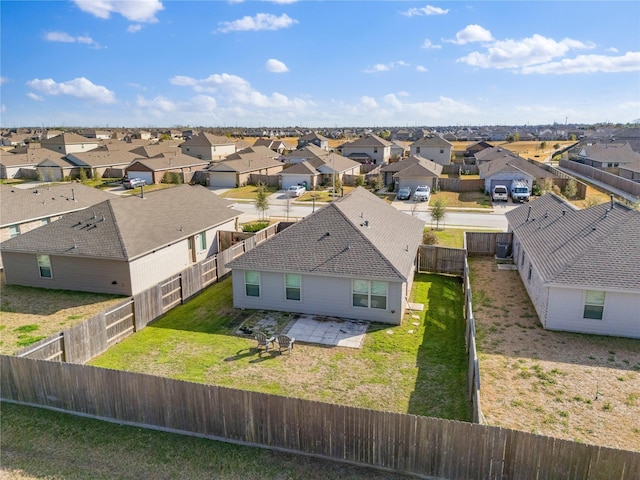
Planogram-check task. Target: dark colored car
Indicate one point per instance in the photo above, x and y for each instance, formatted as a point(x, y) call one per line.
point(130, 183)
point(404, 193)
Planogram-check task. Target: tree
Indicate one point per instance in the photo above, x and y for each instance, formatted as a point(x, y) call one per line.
point(262, 199)
point(359, 181)
point(556, 146)
point(377, 183)
point(438, 211)
point(543, 145)
point(547, 185)
point(571, 188)
point(572, 137)
point(337, 184)
point(82, 175)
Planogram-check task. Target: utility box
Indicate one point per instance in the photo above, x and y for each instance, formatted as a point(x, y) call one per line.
point(503, 250)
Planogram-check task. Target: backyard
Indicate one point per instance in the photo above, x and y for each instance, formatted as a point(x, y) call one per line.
point(418, 367)
point(584, 388)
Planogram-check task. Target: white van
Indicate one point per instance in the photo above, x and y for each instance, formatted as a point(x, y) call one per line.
point(520, 191)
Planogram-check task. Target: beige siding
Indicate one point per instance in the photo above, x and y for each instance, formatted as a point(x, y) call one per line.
point(433, 153)
point(69, 273)
point(152, 269)
point(321, 295)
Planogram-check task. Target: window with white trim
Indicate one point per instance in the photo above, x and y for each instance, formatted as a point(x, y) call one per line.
point(44, 266)
point(202, 241)
point(594, 305)
point(14, 231)
point(369, 294)
point(252, 283)
point(292, 286)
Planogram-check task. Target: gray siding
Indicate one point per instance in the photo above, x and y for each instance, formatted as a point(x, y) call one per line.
point(69, 273)
point(320, 295)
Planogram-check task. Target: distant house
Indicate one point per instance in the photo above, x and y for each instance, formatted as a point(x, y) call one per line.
point(109, 160)
point(476, 147)
point(99, 134)
point(435, 148)
point(505, 169)
point(368, 149)
point(313, 138)
point(23, 163)
point(607, 156)
point(66, 143)
point(354, 258)
point(397, 151)
point(580, 267)
point(123, 245)
point(313, 166)
point(630, 171)
point(237, 168)
point(208, 147)
point(154, 169)
point(277, 146)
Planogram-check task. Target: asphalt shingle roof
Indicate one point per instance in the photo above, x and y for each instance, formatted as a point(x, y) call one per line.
point(125, 228)
point(597, 247)
point(356, 236)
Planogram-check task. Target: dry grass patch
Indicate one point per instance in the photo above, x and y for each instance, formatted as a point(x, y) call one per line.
point(31, 314)
point(474, 199)
point(578, 387)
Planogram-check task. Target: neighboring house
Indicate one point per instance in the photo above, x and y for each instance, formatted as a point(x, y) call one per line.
point(630, 171)
point(107, 161)
point(434, 148)
point(354, 258)
point(580, 267)
point(277, 146)
point(99, 134)
point(419, 171)
point(313, 138)
point(236, 169)
point(23, 164)
point(368, 149)
point(313, 166)
point(208, 147)
point(153, 170)
point(507, 168)
point(123, 245)
point(55, 168)
point(492, 153)
point(398, 150)
point(66, 143)
point(606, 156)
point(476, 147)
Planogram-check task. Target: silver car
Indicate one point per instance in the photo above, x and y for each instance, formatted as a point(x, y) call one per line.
point(422, 193)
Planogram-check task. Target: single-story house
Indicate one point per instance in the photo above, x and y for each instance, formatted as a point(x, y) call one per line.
point(237, 168)
point(354, 258)
point(606, 156)
point(55, 168)
point(434, 148)
point(276, 145)
point(153, 170)
point(105, 161)
point(580, 267)
point(411, 172)
point(507, 168)
point(123, 245)
point(476, 147)
point(313, 166)
point(630, 171)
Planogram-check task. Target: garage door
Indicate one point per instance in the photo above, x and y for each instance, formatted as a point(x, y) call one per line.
point(146, 176)
point(506, 183)
point(222, 179)
point(290, 180)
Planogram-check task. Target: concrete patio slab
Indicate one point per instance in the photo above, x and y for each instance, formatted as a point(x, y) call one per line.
point(329, 331)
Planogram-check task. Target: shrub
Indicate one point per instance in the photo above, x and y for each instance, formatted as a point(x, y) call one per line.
point(254, 227)
point(359, 181)
point(429, 237)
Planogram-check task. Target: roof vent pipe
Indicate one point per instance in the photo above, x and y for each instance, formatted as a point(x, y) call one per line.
point(73, 195)
point(564, 212)
point(612, 203)
point(528, 214)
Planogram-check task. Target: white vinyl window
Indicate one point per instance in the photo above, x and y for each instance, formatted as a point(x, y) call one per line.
point(14, 231)
point(252, 283)
point(292, 286)
point(44, 265)
point(370, 294)
point(594, 305)
point(202, 241)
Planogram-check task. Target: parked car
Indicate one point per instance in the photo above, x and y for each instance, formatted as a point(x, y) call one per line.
point(404, 193)
point(422, 193)
point(296, 190)
point(130, 183)
point(520, 191)
point(500, 193)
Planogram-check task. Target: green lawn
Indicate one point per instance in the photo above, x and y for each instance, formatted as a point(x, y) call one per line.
point(419, 369)
point(248, 192)
point(37, 444)
point(454, 237)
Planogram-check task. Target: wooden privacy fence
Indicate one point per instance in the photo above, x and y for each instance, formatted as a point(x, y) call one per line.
point(436, 259)
point(473, 367)
point(423, 446)
point(460, 184)
point(485, 243)
point(84, 341)
point(614, 181)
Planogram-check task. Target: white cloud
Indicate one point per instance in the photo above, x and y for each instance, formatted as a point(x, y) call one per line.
point(470, 34)
point(386, 67)
point(426, 10)
point(429, 45)
point(368, 102)
point(276, 66)
point(4, 80)
point(521, 53)
point(64, 37)
point(284, 2)
point(420, 68)
point(634, 106)
point(135, 28)
point(135, 11)
point(629, 62)
point(3, 108)
point(612, 50)
point(35, 97)
point(78, 87)
point(262, 21)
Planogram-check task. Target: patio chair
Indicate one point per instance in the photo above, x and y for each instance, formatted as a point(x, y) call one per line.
point(263, 341)
point(285, 343)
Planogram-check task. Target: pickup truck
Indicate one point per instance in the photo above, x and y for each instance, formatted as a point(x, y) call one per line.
point(500, 193)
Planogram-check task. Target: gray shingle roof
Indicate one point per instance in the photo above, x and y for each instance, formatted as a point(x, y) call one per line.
point(248, 159)
point(205, 139)
point(23, 205)
point(420, 168)
point(356, 236)
point(435, 141)
point(168, 161)
point(367, 141)
point(511, 163)
point(125, 228)
point(597, 247)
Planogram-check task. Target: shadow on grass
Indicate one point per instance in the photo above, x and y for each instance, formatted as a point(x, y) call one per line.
point(441, 383)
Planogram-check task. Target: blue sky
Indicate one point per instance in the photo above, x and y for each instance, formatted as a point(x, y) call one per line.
point(108, 63)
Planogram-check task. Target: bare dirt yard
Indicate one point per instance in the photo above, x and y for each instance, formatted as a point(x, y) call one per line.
point(584, 388)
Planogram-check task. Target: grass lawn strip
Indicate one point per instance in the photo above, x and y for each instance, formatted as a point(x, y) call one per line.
point(419, 369)
point(38, 443)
